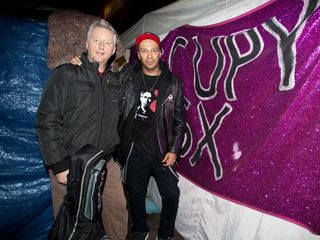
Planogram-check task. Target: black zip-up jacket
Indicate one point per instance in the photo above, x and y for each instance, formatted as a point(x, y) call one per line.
point(169, 118)
point(77, 108)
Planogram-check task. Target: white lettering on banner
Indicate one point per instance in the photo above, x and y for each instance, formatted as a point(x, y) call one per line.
point(286, 43)
point(208, 139)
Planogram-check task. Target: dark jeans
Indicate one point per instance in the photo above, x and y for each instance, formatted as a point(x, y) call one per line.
point(139, 170)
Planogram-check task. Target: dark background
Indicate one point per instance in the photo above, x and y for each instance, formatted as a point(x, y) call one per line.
point(124, 17)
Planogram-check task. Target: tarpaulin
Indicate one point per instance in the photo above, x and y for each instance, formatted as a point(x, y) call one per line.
point(25, 195)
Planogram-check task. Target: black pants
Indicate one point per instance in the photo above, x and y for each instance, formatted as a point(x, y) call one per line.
point(139, 171)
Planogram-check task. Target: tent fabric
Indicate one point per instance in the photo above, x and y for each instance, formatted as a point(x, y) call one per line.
point(205, 216)
point(197, 13)
point(25, 195)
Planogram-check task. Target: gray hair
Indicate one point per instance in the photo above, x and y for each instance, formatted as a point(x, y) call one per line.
point(103, 24)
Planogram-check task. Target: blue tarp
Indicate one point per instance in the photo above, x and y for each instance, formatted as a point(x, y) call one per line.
point(25, 194)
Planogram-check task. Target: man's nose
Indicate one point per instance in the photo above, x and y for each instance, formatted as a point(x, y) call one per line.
point(149, 55)
point(101, 45)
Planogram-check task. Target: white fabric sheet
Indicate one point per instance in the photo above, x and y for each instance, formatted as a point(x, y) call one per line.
point(192, 12)
point(205, 216)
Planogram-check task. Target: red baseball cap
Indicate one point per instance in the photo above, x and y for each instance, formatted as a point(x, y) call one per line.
point(147, 35)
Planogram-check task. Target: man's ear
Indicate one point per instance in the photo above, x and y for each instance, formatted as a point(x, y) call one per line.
point(87, 45)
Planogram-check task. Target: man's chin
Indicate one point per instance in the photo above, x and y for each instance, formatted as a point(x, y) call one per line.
point(150, 67)
point(100, 60)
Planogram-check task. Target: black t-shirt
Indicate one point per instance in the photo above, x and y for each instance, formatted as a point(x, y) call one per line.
point(143, 131)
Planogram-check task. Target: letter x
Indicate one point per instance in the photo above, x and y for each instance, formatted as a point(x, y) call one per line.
point(208, 138)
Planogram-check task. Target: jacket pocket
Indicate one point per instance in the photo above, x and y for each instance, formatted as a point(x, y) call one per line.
point(83, 94)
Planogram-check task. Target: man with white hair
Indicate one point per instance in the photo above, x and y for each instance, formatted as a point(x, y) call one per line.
point(80, 106)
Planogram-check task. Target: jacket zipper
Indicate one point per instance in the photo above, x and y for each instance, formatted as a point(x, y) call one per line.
point(126, 96)
point(103, 102)
point(167, 98)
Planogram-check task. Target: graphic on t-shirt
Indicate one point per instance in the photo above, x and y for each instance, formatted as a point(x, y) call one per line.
point(147, 106)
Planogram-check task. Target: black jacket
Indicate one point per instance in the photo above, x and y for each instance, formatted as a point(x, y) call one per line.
point(72, 113)
point(169, 118)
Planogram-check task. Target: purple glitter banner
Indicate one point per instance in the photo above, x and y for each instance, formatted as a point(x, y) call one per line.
point(252, 88)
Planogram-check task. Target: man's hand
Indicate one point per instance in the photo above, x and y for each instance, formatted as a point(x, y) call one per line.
point(62, 177)
point(169, 159)
point(76, 61)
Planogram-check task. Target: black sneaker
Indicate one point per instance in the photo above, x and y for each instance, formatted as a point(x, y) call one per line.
point(141, 236)
point(160, 238)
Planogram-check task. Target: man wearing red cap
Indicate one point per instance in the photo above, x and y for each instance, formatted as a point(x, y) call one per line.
point(151, 129)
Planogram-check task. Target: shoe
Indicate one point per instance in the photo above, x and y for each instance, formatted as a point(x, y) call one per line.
point(160, 238)
point(105, 237)
point(141, 236)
